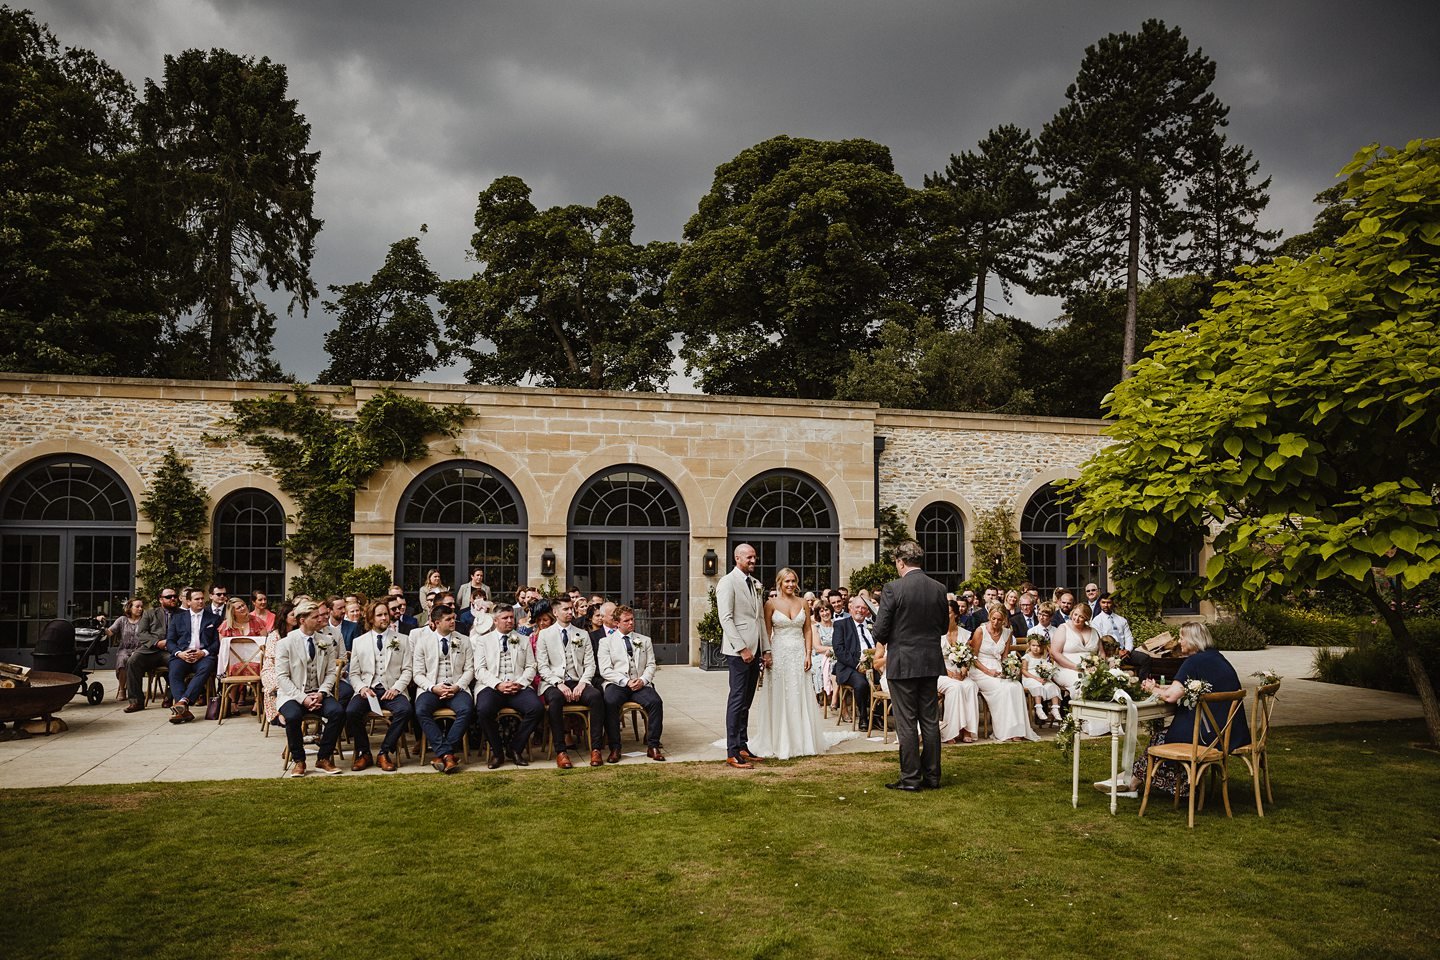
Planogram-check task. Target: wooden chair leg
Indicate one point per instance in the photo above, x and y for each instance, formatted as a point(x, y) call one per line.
point(1264, 762)
point(1149, 777)
point(1190, 775)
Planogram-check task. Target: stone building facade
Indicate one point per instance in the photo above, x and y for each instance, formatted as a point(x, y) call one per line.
point(626, 494)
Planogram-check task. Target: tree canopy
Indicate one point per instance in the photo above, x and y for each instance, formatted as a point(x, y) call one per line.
point(563, 296)
point(1299, 420)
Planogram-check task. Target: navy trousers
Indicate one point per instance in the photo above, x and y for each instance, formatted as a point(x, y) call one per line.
point(357, 714)
point(743, 677)
point(330, 712)
point(648, 699)
point(444, 741)
point(488, 704)
point(200, 673)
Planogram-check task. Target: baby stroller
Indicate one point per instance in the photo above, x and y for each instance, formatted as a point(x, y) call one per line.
point(66, 647)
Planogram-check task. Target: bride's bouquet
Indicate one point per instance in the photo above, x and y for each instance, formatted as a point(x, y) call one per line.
point(1010, 666)
point(959, 655)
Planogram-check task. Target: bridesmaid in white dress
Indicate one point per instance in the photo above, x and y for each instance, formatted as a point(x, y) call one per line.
point(784, 718)
point(1008, 716)
point(1068, 643)
point(960, 710)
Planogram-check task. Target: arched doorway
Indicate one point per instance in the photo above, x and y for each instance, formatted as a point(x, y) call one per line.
point(940, 531)
point(791, 522)
point(457, 516)
point(1054, 560)
point(628, 530)
point(67, 546)
point(248, 533)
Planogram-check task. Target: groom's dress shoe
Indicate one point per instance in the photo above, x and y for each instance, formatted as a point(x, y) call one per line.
point(749, 757)
point(739, 764)
point(907, 787)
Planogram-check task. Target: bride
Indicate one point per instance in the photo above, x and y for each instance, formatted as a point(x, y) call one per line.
point(784, 719)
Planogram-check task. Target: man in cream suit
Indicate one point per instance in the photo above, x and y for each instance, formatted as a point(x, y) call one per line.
point(741, 605)
point(380, 667)
point(566, 664)
point(627, 662)
point(305, 686)
point(443, 666)
point(504, 669)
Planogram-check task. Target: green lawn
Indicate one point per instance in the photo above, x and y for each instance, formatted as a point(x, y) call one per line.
point(806, 859)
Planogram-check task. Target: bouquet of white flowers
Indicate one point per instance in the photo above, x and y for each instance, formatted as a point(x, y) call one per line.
point(1010, 666)
point(1194, 690)
point(959, 655)
point(1045, 670)
point(1266, 677)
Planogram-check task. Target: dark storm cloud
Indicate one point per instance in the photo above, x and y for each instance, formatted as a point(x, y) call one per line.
point(417, 107)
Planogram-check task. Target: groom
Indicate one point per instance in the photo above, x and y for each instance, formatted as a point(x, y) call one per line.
point(740, 601)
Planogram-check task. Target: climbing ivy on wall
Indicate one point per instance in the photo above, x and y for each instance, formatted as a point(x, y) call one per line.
point(321, 458)
point(175, 556)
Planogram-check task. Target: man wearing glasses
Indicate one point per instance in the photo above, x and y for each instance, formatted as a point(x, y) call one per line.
point(219, 596)
point(154, 623)
point(399, 619)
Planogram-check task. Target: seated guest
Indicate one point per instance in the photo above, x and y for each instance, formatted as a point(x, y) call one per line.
point(260, 607)
point(400, 619)
point(354, 623)
point(380, 667)
point(1044, 619)
point(151, 653)
point(124, 636)
point(1202, 662)
point(1109, 623)
point(627, 662)
point(478, 605)
point(960, 710)
point(850, 637)
point(443, 664)
point(194, 644)
point(240, 622)
point(1024, 618)
point(603, 624)
point(504, 667)
point(305, 678)
point(285, 623)
point(566, 664)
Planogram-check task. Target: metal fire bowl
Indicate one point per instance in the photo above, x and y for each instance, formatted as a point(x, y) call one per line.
point(47, 693)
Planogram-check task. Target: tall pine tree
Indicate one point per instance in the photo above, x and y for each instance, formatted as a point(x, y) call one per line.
point(1225, 204)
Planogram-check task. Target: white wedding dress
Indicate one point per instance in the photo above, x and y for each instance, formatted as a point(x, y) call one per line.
point(785, 719)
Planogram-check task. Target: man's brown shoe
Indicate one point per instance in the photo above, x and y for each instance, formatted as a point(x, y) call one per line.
point(385, 763)
point(362, 762)
point(749, 757)
point(614, 756)
point(297, 770)
point(327, 766)
point(562, 760)
point(595, 759)
point(451, 764)
point(438, 763)
point(654, 753)
point(739, 764)
point(134, 706)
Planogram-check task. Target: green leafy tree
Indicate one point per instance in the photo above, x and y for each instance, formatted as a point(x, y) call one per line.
point(792, 261)
point(1299, 421)
point(75, 291)
point(997, 203)
point(1225, 204)
point(226, 149)
point(178, 509)
point(563, 296)
point(1120, 151)
point(387, 328)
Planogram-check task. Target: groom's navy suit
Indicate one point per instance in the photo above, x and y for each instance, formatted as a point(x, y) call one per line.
point(845, 640)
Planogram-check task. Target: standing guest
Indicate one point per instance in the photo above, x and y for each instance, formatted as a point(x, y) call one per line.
point(124, 635)
point(432, 585)
point(850, 639)
point(913, 614)
point(193, 641)
point(380, 667)
point(743, 636)
point(151, 654)
point(444, 669)
point(960, 711)
point(285, 623)
point(305, 680)
point(504, 668)
point(473, 587)
point(260, 607)
point(627, 662)
point(1109, 623)
point(565, 662)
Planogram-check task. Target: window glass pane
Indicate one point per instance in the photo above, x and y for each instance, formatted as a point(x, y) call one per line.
point(940, 531)
point(67, 490)
point(249, 530)
point(627, 498)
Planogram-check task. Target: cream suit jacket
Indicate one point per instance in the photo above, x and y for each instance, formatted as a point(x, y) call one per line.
point(550, 656)
point(739, 601)
point(292, 657)
point(425, 661)
point(389, 669)
point(615, 665)
point(487, 660)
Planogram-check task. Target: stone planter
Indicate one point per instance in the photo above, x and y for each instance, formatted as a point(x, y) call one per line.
point(711, 658)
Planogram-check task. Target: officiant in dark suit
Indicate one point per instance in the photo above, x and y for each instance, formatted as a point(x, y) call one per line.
point(913, 617)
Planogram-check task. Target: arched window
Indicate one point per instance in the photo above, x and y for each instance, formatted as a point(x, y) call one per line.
point(67, 546)
point(790, 521)
point(1054, 560)
point(940, 531)
point(628, 529)
point(249, 529)
point(455, 517)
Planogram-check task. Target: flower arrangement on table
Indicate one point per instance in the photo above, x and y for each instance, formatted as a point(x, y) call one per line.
point(1010, 666)
point(1100, 679)
point(959, 655)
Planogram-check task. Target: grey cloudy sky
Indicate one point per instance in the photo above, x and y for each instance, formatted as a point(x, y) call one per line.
point(416, 107)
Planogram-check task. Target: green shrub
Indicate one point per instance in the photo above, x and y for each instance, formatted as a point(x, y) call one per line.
point(872, 577)
point(1237, 634)
point(1380, 665)
point(1288, 626)
point(371, 581)
point(1142, 628)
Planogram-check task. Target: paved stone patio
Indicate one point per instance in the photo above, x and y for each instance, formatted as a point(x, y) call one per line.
point(106, 745)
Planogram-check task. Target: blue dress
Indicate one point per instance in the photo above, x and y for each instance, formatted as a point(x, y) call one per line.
point(1210, 666)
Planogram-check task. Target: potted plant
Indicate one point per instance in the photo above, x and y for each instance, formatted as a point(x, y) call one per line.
point(711, 655)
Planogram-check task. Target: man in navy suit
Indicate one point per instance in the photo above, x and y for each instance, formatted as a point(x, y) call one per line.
point(851, 637)
point(193, 640)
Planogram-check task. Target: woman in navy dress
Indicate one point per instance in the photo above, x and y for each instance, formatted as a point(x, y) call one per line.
point(1202, 662)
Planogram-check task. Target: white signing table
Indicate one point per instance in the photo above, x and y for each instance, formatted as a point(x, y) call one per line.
point(1114, 714)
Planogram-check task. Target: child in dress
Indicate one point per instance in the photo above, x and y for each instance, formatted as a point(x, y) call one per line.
point(1036, 668)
